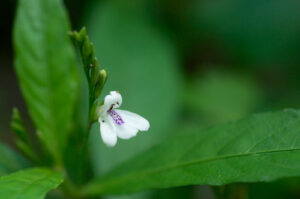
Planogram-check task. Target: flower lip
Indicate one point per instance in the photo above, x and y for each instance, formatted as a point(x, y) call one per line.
point(118, 123)
point(116, 117)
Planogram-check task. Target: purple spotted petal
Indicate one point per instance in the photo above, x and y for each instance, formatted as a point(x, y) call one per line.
point(116, 117)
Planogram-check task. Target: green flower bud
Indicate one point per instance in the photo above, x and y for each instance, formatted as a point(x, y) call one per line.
point(100, 83)
point(92, 48)
point(95, 73)
point(82, 35)
point(87, 55)
point(74, 37)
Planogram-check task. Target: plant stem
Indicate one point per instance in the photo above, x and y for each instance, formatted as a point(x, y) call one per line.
point(92, 71)
point(84, 147)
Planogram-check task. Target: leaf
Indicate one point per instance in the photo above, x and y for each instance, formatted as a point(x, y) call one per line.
point(10, 161)
point(141, 63)
point(17, 125)
point(262, 147)
point(46, 67)
point(29, 184)
point(22, 140)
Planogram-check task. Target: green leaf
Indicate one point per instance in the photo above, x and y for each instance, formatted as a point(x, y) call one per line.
point(10, 161)
point(18, 128)
point(46, 67)
point(22, 140)
point(29, 184)
point(141, 63)
point(262, 147)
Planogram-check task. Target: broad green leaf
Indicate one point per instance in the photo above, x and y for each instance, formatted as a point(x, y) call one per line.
point(10, 161)
point(46, 67)
point(29, 184)
point(141, 63)
point(262, 147)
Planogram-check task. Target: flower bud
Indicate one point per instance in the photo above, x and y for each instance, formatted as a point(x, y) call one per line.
point(100, 83)
point(95, 73)
point(81, 35)
point(87, 55)
point(74, 36)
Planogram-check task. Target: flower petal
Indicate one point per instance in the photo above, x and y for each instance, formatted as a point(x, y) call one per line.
point(114, 98)
point(108, 132)
point(125, 131)
point(134, 120)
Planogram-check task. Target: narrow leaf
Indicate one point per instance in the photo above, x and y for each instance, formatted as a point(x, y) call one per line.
point(46, 67)
point(22, 140)
point(262, 147)
point(18, 128)
point(29, 184)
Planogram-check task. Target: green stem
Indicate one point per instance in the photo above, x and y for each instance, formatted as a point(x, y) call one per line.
point(83, 156)
point(91, 66)
point(83, 161)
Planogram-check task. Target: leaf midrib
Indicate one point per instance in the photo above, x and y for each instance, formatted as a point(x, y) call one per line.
point(32, 183)
point(46, 175)
point(125, 177)
point(51, 92)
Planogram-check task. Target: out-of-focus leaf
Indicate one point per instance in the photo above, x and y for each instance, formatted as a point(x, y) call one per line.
point(262, 32)
point(218, 97)
point(17, 126)
point(262, 147)
point(22, 140)
point(46, 67)
point(10, 161)
point(29, 184)
point(142, 65)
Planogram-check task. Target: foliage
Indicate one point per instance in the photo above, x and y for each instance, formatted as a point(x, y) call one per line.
point(241, 151)
point(63, 85)
point(31, 183)
point(45, 63)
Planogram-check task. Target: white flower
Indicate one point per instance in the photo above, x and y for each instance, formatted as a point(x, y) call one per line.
point(118, 123)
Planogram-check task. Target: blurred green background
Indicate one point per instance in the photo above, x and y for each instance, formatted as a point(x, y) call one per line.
point(181, 64)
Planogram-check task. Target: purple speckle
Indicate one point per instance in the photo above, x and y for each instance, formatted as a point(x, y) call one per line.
point(116, 117)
